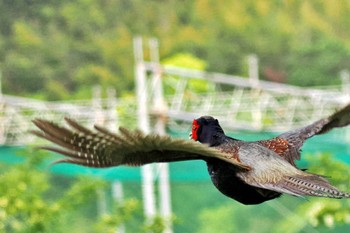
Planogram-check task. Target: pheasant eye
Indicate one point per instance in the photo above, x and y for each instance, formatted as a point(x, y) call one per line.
point(195, 127)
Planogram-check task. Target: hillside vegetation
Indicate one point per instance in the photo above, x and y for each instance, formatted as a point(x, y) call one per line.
point(59, 49)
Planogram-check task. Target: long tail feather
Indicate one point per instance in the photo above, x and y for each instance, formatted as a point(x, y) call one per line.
point(312, 185)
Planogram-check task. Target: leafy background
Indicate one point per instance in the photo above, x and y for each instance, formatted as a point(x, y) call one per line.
point(59, 49)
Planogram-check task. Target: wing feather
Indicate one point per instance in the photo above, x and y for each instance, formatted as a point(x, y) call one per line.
point(78, 127)
point(288, 144)
point(102, 148)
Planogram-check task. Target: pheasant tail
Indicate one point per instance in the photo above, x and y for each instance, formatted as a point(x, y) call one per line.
point(312, 185)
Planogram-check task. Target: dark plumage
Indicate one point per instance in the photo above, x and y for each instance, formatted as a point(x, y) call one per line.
point(249, 172)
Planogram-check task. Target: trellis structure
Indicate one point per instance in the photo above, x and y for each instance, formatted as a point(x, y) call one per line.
point(249, 104)
point(246, 103)
point(16, 114)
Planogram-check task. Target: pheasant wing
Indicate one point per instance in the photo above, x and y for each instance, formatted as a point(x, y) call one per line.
point(102, 148)
point(288, 144)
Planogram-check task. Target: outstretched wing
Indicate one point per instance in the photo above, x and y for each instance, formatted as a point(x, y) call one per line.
point(288, 144)
point(102, 148)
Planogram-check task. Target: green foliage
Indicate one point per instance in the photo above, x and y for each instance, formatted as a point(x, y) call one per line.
point(157, 225)
point(185, 60)
point(25, 203)
point(320, 63)
point(77, 45)
point(32, 200)
point(217, 220)
point(329, 212)
point(323, 212)
point(122, 213)
point(126, 214)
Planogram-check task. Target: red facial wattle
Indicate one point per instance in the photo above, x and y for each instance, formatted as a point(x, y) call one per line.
point(195, 127)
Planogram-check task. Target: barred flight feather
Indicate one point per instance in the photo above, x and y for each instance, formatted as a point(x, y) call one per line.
point(102, 148)
point(313, 185)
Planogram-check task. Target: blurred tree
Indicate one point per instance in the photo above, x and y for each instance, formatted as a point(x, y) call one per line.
point(319, 63)
point(88, 42)
point(186, 60)
point(323, 212)
point(217, 220)
point(122, 213)
point(34, 201)
point(25, 205)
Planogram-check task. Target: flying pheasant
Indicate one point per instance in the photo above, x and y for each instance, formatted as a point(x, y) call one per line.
point(249, 172)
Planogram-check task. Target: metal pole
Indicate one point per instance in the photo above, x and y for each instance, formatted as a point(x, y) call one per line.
point(159, 107)
point(254, 82)
point(97, 105)
point(2, 108)
point(118, 196)
point(345, 78)
point(101, 202)
point(112, 114)
point(144, 125)
point(98, 119)
point(141, 87)
point(253, 70)
point(112, 123)
point(0, 87)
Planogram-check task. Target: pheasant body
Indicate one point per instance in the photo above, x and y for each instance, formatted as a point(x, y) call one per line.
point(249, 172)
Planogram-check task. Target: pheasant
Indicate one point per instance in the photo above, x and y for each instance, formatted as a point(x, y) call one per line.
point(249, 172)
